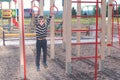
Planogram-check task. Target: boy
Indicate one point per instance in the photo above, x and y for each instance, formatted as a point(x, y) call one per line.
point(41, 43)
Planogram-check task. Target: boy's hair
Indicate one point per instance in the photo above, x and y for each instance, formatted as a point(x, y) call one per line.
point(40, 17)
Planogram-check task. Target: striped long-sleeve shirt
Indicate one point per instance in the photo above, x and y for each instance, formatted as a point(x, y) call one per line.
point(41, 30)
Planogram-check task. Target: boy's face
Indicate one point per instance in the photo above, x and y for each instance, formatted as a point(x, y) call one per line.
point(41, 21)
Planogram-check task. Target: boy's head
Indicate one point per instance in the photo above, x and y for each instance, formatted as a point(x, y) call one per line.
point(41, 20)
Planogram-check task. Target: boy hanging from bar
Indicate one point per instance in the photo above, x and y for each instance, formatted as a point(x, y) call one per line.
point(41, 42)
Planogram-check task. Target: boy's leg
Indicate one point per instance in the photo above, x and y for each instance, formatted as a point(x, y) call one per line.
point(44, 46)
point(38, 52)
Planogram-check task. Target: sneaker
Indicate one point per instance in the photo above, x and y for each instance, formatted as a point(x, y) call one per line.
point(45, 65)
point(38, 68)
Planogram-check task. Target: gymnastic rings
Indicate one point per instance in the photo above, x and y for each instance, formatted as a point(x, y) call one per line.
point(52, 12)
point(35, 10)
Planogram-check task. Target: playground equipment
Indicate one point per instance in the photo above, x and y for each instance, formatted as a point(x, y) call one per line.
point(117, 26)
point(34, 8)
point(52, 8)
point(9, 14)
point(7, 19)
point(111, 28)
point(69, 57)
point(67, 34)
point(99, 54)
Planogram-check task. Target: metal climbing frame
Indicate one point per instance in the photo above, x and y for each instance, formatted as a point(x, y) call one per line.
point(68, 37)
point(118, 25)
point(96, 57)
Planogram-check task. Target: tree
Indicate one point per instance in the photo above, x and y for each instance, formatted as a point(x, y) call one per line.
point(94, 10)
point(74, 12)
point(107, 10)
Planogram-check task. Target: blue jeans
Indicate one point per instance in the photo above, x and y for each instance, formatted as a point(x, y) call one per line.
point(41, 44)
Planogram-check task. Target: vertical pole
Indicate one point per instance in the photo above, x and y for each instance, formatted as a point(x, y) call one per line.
point(96, 45)
point(10, 20)
point(103, 26)
point(3, 27)
point(119, 29)
point(64, 24)
point(41, 7)
point(3, 38)
point(117, 23)
point(112, 25)
point(52, 33)
point(109, 28)
point(79, 26)
point(22, 40)
point(68, 36)
point(118, 26)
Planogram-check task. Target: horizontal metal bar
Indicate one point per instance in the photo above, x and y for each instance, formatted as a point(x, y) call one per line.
point(80, 30)
point(58, 22)
point(86, 43)
point(85, 2)
point(85, 16)
point(86, 57)
point(114, 5)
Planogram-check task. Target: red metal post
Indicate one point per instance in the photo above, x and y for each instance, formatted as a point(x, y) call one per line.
point(21, 19)
point(96, 45)
point(117, 21)
point(112, 25)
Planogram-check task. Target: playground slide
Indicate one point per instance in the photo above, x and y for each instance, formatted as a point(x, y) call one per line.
point(15, 22)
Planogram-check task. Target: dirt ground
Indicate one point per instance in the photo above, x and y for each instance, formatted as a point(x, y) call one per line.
point(81, 69)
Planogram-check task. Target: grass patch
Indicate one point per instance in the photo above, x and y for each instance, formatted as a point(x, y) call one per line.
point(74, 21)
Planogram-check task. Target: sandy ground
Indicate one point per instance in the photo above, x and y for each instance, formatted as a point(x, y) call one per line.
point(9, 63)
point(81, 69)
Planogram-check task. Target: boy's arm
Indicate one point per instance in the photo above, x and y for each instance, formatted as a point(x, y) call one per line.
point(36, 20)
point(48, 20)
